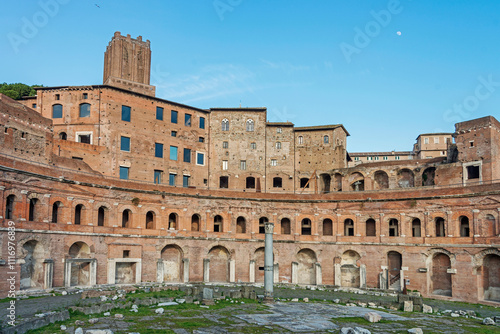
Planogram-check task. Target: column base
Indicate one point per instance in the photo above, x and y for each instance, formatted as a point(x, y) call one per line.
point(268, 300)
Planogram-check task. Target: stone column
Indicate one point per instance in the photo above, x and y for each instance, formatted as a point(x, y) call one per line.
point(111, 271)
point(232, 271)
point(185, 263)
point(318, 273)
point(93, 272)
point(48, 265)
point(474, 228)
point(138, 271)
point(295, 269)
point(402, 225)
point(338, 274)
point(450, 226)
point(160, 274)
point(67, 273)
point(206, 270)
point(276, 273)
point(268, 263)
point(252, 271)
point(362, 276)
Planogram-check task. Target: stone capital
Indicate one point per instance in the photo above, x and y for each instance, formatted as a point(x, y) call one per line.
point(269, 227)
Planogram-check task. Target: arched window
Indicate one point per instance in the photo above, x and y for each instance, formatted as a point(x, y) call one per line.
point(327, 227)
point(172, 221)
point(326, 139)
point(33, 209)
point(126, 218)
point(241, 225)
point(278, 145)
point(349, 227)
point(9, 207)
point(57, 111)
point(262, 222)
point(78, 214)
point(63, 136)
point(84, 110)
point(150, 220)
point(285, 226)
point(101, 216)
point(371, 228)
point(218, 223)
point(416, 228)
point(439, 227)
point(301, 140)
point(225, 124)
point(55, 211)
point(306, 226)
point(464, 226)
point(250, 124)
point(393, 228)
point(195, 223)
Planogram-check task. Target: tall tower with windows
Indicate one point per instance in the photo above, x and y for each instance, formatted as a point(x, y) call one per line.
point(127, 64)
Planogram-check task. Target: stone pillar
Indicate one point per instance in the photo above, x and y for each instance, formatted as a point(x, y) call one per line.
point(295, 274)
point(67, 273)
point(268, 263)
point(402, 225)
point(48, 266)
point(383, 278)
point(427, 228)
point(362, 276)
point(318, 273)
point(450, 230)
point(111, 271)
point(138, 270)
point(338, 274)
point(475, 228)
point(160, 274)
point(340, 231)
point(232, 271)
point(276, 273)
point(206, 270)
point(357, 227)
point(185, 263)
point(401, 280)
point(252, 271)
point(93, 272)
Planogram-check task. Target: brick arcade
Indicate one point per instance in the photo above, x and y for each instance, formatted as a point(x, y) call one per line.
point(109, 184)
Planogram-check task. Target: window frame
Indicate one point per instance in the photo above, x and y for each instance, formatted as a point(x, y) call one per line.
point(159, 150)
point(159, 113)
point(127, 140)
point(125, 110)
point(53, 111)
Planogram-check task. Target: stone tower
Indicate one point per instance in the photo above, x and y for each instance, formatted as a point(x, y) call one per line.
point(127, 64)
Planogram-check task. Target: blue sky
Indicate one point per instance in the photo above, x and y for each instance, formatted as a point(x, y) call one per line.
point(387, 70)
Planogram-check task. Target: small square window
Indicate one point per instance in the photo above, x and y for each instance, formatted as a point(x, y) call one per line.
point(274, 162)
point(243, 164)
point(471, 143)
point(173, 116)
point(158, 150)
point(171, 179)
point(396, 157)
point(125, 144)
point(187, 155)
point(159, 113)
point(173, 153)
point(279, 130)
point(58, 97)
point(187, 120)
point(85, 96)
point(225, 144)
point(126, 113)
point(202, 122)
point(173, 133)
point(124, 173)
point(33, 106)
point(385, 158)
point(85, 138)
point(253, 146)
point(426, 140)
point(201, 139)
point(436, 140)
point(200, 159)
point(126, 254)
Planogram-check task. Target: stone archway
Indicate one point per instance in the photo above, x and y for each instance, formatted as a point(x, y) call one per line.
point(440, 277)
point(79, 267)
point(306, 260)
point(32, 270)
point(171, 260)
point(491, 277)
point(219, 258)
point(349, 269)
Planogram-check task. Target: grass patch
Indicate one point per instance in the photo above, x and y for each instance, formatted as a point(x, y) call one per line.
point(358, 320)
point(194, 323)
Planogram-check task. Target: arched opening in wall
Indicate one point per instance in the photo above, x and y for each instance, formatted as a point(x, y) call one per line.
point(393, 228)
point(440, 278)
point(32, 275)
point(464, 226)
point(489, 226)
point(127, 218)
point(439, 222)
point(285, 226)
point(304, 182)
point(327, 227)
point(428, 176)
point(250, 182)
point(325, 182)
point(349, 269)
point(219, 264)
point(357, 181)
point(84, 110)
point(55, 211)
point(9, 207)
point(63, 136)
point(491, 277)
point(394, 263)
point(406, 179)
point(172, 221)
point(337, 182)
point(371, 228)
point(79, 209)
point(171, 256)
point(195, 223)
point(218, 223)
point(34, 210)
point(101, 216)
point(241, 225)
point(306, 226)
point(306, 259)
point(259, 258)
point(150, 220)
point(416, 228)
point(262, 222)
point(80, 269)
point(381, 180)
point(349, 227)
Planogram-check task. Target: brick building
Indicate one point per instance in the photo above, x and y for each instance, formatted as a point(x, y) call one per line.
point(108, 184)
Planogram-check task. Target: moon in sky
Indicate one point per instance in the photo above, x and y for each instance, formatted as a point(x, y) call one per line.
point(399, 33)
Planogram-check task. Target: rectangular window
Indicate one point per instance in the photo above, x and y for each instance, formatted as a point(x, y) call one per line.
point(157, 176)
point(187, 155)
point(225, 144)
point(33, 106)
point(171, 179)
point(436, 140)
point(125, 114)
point(159, 113)
point(243, 164)
point(201, 139)
point(187, 119)
point(224, 165)
point(274, 162)
point(253, 146)
point(173, 153)
point(202, 122)
point(58, 97)
point(185, 181)
point(426, 140)
point(368, 158)
point(375, 158)
point(173, 116)
point(173, 133)
point(85, 139)
point(57, 111)
point(396, 157)
point(158, 150)
point(356, 158)
point(123, 173)
point(385, 158)
point(125, 144)
point(200, 159)
point(85, 96)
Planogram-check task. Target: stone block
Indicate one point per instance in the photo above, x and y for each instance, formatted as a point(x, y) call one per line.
point(426, 308)
point(416, 331)
point(235, 294)
point(372, 317)
point(408, 306)
point(208, 293)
